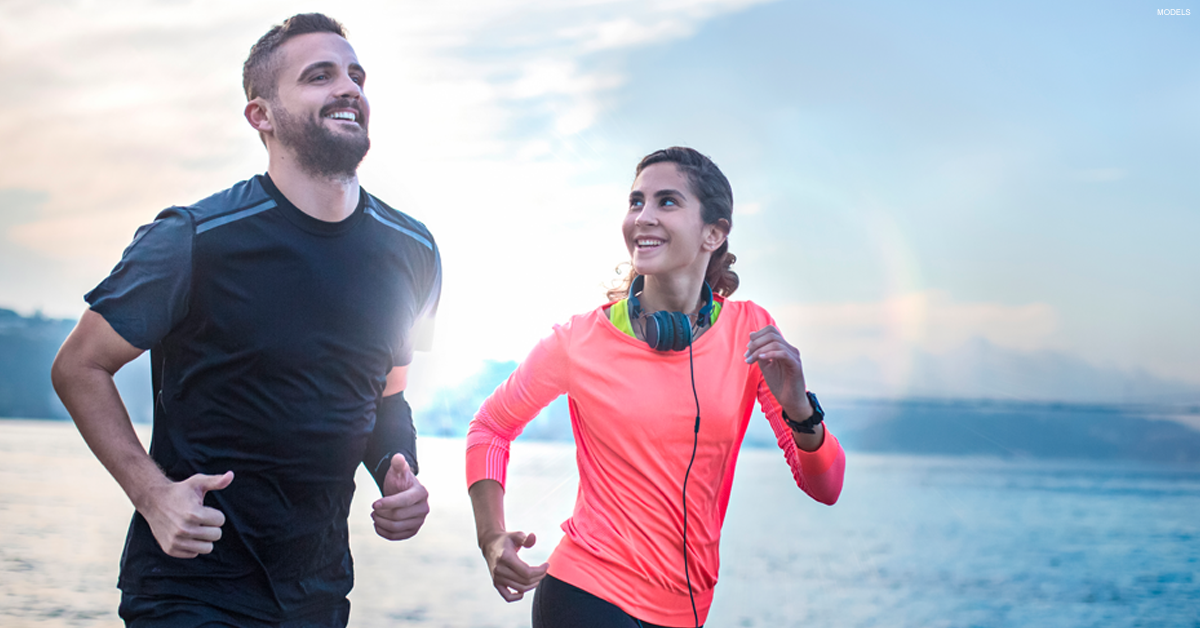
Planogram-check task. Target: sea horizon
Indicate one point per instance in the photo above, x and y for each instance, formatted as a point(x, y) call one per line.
point(916, 540)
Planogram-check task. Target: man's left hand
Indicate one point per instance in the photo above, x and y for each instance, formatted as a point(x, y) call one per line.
point(401, 511)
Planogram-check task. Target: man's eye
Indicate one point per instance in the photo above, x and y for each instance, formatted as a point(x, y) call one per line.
point(319, 77)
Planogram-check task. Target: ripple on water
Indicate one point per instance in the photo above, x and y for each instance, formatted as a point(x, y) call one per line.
point(912, 542)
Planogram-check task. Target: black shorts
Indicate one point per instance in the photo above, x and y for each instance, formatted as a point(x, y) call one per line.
point(557, 604)
point(153, 611)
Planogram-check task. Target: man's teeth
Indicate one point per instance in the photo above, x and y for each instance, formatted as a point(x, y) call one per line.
point(343, 115)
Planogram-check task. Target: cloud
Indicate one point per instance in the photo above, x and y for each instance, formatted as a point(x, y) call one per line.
point(926, 344)
point(136, 105)
point(18, 204)
point(875, 162)
point(980, 370)
point(876, 347)
point(929, 320)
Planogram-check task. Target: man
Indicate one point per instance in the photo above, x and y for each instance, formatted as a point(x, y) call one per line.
point(281, 315)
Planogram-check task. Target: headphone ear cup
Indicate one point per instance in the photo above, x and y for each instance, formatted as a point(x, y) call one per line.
point(668, 331)
point(651, 331)
point(664, 333)
point(683, 329)
point(669, 338)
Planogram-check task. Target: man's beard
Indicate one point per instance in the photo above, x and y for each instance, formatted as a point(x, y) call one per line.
point(320, 151)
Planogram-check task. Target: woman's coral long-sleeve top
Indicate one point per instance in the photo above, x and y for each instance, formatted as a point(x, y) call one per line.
point(632, 413)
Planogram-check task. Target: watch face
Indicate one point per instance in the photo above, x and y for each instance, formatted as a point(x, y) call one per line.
point(817, 410)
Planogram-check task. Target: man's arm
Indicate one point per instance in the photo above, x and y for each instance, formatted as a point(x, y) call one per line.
point(83, 378)
point(394, 432)
point(401, 511)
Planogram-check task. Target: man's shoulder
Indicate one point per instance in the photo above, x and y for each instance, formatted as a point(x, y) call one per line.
point(399, 221)
point(242, 198)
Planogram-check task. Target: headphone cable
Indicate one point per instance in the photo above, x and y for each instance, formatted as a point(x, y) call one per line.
point(695, 439)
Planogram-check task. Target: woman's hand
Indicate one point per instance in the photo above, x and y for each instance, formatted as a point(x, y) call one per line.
point(511, 576)
point(781, 368)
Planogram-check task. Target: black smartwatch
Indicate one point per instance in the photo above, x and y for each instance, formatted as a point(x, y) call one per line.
point(809, 425)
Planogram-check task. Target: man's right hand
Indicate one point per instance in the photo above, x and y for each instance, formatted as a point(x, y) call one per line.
point(512, 576)
point(183, 526)
point(83, 377)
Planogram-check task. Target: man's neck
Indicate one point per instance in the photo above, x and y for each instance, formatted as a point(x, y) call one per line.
point(331, 200)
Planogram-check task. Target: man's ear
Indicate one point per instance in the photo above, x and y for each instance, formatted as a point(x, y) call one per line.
point(715, 234)
point(258, 115)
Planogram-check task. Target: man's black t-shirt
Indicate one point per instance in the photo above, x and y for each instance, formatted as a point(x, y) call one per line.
point(271, 335)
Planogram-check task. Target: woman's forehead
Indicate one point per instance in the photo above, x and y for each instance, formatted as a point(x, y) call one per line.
point(663, 174)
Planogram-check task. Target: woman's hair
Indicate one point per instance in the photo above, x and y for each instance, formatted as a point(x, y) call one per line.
point(713, 191)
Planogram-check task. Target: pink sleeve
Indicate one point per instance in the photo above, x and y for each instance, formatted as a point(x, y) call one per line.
point(539, 379)
point(818, 473)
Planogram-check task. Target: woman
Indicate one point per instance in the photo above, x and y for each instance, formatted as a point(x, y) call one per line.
point(661, 385)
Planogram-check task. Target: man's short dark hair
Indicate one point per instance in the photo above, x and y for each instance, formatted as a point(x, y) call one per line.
point(260, 74)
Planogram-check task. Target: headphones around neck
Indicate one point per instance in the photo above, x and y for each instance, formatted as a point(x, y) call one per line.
point(668, 331)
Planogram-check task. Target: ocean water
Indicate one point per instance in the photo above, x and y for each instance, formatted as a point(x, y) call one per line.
point(914, 541)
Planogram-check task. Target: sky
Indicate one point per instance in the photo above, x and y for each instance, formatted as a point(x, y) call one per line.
point(988, 199)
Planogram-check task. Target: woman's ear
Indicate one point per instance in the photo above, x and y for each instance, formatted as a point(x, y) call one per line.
point(715, 234)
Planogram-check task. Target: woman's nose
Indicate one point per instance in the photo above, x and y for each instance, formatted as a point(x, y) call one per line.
point(646, 217)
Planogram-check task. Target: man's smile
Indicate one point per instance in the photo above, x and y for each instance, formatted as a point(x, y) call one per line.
point(343, 115)
point(345, 110)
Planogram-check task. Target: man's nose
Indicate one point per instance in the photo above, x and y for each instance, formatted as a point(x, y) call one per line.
point(348, 88)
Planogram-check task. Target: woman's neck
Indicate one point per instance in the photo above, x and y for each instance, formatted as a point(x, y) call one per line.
point(672, 294)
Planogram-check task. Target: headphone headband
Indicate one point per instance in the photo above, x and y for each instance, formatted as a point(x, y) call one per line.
point(669, 331)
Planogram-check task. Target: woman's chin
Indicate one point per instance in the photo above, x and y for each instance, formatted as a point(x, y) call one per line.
point(649, 265)
point(648, 270)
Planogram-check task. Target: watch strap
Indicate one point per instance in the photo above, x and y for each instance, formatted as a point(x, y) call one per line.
point(809, 425)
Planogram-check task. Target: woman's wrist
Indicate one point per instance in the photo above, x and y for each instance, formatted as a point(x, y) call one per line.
point(488, 536)
point(487, 501)
point(801, 412)
point(810, 417)
point(809, 442)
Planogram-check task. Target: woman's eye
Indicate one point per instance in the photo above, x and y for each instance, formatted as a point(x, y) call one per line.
point(668, 202)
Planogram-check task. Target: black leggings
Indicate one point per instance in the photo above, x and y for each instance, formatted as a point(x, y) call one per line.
point(557, 604)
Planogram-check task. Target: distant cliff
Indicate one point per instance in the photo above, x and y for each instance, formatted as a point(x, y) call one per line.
point(982, 427)
point(1152, 433)
point(27, 348)
point(450, 410)
point(1148, 432)
point(28, 345)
